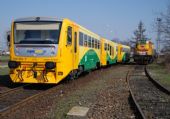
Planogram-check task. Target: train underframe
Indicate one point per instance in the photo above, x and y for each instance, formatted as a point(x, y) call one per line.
point(143, 59)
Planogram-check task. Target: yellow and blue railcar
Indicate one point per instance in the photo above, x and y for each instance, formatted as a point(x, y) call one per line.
point(47, 50)
point(108, 52)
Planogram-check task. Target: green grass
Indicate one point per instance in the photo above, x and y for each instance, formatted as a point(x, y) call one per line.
point(4, 71)
point(160, 73)
point(4, 58)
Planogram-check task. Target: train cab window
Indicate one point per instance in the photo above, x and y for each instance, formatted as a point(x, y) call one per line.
point(69, 35)
point(96, 42)
point(92, 42)
point(85, 40)
point(80, 38)
point(89, 41)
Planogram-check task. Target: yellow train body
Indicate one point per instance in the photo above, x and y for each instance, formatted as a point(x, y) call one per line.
point(108, 52)
point(38, 55)
point(123, 53)
point(64, 61)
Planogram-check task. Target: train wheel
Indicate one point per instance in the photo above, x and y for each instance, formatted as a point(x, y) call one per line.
point(72, 76)
point(98, 65)
point(108, 63)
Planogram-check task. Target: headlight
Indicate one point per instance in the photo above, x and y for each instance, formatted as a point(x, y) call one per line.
point(13, 64)
point(50, 65)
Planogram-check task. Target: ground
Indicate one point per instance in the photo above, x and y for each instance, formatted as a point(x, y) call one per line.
point(4, 58)
point(106, 94)
point(4, 70)
point(103, 91)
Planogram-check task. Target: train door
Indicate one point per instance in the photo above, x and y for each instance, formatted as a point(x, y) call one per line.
point(71, 54)
point(75, 48)
point(69, 48)
point(103, 52)
point(119, 53)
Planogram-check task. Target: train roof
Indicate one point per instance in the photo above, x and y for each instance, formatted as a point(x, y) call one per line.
point(125, 46)
point(87, 30)
point(37, 19)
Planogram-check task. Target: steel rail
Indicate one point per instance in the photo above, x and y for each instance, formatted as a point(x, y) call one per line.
point(23, 102)
point(4, 93)
point(156, 83)
point(139, 110)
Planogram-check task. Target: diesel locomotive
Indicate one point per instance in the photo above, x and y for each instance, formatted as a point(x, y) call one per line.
point(144, 52)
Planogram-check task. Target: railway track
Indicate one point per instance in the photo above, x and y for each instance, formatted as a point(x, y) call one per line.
point(4, 91)
point(150, 98)
point(7, 85)
point(16, 98)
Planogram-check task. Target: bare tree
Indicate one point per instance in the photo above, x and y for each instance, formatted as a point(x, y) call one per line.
point(139, 32)
point(165, 29)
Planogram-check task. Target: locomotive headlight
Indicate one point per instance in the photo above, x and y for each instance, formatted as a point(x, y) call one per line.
point(50, 65)
point(13, 64)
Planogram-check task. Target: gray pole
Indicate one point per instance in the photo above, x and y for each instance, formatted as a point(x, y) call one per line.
point(158, 35)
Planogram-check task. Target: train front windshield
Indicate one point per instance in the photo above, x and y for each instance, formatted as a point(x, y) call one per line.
point(142, 42)
point(37, 32)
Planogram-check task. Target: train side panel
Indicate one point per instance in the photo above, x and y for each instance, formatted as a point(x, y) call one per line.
point(123, 53)
point(120, 54)
point(103, 53)
point(108, 52)
point(111, 52)
point(89, 56)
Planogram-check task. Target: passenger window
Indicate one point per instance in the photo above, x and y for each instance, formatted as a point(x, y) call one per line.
point(89, 41)
point(85, 40)
point(110, 50)
point(69, 35)
point(105, 46)
point(75, 42)
point(96, 42)
point(108, 47)
point(80, 38)
point(92, 42)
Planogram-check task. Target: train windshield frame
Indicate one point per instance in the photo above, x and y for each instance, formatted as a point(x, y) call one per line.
point(41, 32)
